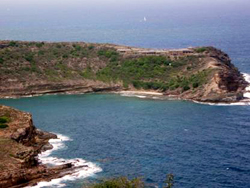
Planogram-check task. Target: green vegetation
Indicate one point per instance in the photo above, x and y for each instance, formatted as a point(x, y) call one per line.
point(41, 59)
point(91, 47)
point(1, 60)
point(201, 50)
point(169, 181)
point(4, 119)
point(152, 72)
point(124, 182)
point(3, 126)
point(13, 44)
point(136, 69)
point(61, 61)
point(109, 53)
point(40, 44)
point(88, 73)
point(3, 122)
point(29, 57)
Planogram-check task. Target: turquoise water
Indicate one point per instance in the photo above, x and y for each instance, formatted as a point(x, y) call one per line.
point(204, 146)
point(170, 24)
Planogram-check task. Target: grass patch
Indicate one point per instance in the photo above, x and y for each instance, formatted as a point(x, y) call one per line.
point(149, 72)
point(13, 44)
point(1, 60)
point(3, 126)
point(201, 50)
point(39, 44)
point(121, 182)
point(108, 53)
point(88, 73)
point(4, 119)
point(3, 122)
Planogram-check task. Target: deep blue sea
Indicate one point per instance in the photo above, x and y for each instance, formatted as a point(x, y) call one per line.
point(202, 145)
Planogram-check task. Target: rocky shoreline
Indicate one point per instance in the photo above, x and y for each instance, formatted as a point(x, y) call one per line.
point(20, 144)
point(203, 74)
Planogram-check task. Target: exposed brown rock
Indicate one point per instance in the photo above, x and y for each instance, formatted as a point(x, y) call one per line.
point(224, 82)
point(20, 144)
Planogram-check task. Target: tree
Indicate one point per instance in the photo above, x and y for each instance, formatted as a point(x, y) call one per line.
point(169, 181)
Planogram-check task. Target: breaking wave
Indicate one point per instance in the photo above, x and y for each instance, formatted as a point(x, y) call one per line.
point(86, 169)
point(244, 102)
point(134, 95)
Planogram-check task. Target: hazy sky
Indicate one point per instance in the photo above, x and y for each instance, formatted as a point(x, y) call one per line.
point(119, 2)
point(23, 6)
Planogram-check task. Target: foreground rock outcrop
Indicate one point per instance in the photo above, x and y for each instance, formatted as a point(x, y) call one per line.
point(20, 144)
point(203, 74)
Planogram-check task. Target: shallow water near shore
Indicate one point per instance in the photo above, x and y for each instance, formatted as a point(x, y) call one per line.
point(126, 136)
point(202, 145)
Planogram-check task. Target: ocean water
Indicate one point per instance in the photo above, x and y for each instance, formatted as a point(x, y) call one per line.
point(202, 145)
point(170, 24)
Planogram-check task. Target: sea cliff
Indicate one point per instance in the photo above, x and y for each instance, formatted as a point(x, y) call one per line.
point(203, 74)
point(20, 144)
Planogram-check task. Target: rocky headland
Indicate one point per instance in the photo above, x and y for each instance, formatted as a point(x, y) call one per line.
point(20, 144)
point(203, 74)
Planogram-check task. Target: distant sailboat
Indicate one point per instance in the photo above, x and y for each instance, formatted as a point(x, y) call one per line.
point(145, 19)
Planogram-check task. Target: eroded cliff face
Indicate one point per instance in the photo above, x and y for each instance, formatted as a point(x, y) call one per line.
point(20, 143)
point(203, 74)
point(225, 82)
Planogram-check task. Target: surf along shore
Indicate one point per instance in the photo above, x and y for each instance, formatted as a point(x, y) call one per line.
point(202, 74)
point(25, 154)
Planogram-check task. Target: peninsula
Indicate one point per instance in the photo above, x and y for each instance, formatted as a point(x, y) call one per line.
point(203, 74)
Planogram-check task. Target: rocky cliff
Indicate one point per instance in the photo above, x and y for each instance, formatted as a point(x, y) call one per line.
point(203, 74)
point(20, 144)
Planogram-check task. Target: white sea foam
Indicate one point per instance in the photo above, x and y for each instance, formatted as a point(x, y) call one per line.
point(86, 169)
point(244, 102)
point(247, 78)
point(134, 95)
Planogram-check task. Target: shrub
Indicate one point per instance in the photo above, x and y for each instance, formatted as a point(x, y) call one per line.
point(74, 53)
point(185, 88)
point(124, 182)
point(4, 119)
point(164, 88)
point(169, 181)
point(12, 44)
point(125, 84)
point(91, 47)
point(113, 58)
point(65, 56)
point(26, 69)
point(108, 53)
point(120, 183)
point(77, 47)
point(34, 68)
point(3, 122)
point(40, 44)
point(3, 126)
point(201, 50)
point(195, 85)
point(40, 52)
point(58, 45)
point(29, 57)
point(1, 60)
point(88, 73)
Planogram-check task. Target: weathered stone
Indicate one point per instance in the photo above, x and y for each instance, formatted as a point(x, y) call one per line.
point(21, 143)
